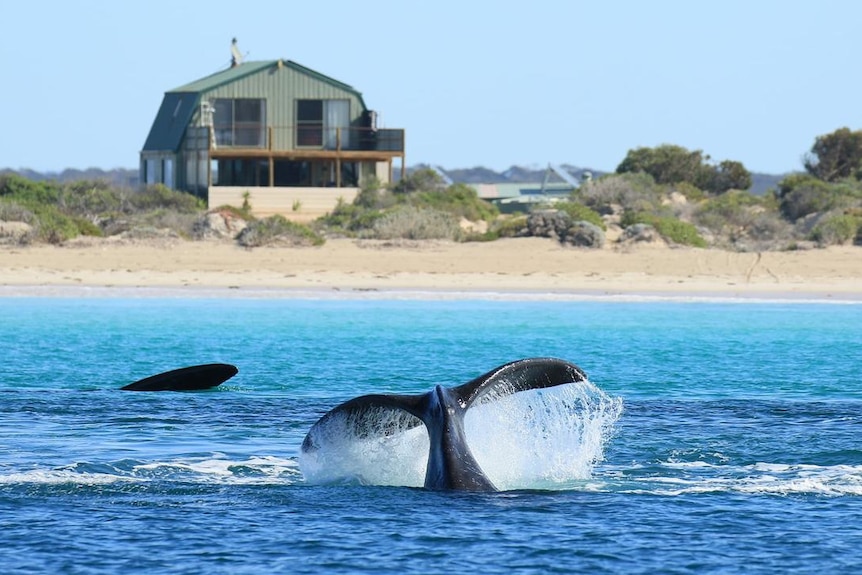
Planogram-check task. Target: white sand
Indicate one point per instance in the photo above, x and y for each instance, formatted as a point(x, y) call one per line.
point(512, 267)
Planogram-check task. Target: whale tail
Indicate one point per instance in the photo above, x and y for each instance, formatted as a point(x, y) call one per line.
point(450, 464)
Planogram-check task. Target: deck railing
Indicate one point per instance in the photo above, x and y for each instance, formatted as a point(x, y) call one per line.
point(307, 137)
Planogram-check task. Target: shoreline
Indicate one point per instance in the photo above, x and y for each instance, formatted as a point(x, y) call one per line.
point(336, 294)
point(511, 269)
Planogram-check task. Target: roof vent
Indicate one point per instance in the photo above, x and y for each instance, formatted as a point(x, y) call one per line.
point(235, 55)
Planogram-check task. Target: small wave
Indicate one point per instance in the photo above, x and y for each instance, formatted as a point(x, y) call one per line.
point(256, 470)
point(61, 477)
point(219, 468)
point(676, 478)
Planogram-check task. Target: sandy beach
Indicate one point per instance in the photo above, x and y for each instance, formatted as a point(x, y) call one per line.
point(514, 266)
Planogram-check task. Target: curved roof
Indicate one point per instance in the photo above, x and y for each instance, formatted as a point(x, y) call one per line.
point(179, 104)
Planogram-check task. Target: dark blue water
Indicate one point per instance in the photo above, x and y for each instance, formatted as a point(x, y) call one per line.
point(737, 448)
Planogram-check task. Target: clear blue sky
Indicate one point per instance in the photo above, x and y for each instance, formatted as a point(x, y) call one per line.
point(474, 82)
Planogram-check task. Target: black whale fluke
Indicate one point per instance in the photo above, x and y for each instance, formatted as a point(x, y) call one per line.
point(193, 378)
point(451, 465)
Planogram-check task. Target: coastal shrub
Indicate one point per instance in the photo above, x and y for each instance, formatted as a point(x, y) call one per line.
point(12, 211)
point(691, 192)
point(459, 200)
point(837, 229)
point(732, 211)
point(277, 230)
point(425, 180)
point(180, 223)
point(670, 228)
point(55, 227)
point(670, 164)
point(92, 199)
point(349, 218)
point(160, 196)
point(415, 223)
point(509, 227)
point(631, 191)
point(27, 192)
point(373, 195)
point(579, 212)
point(802, 194)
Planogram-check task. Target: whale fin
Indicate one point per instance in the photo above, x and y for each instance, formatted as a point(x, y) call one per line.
point(521, 375)
point(196, 377)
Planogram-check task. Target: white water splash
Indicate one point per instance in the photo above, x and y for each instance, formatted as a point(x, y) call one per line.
point(542, 438)
point(388, 447)
point(536, 439)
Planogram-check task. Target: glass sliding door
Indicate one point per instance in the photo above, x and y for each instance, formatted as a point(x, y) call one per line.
point(240, 122)
point(309, 123)
point(321, 123)
point(337, 119)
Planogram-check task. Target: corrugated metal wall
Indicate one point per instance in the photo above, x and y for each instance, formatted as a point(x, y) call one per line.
point(281, 87)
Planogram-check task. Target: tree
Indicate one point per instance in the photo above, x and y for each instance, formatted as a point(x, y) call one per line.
point(729, 175)
point(669, 164)
point(835, 156)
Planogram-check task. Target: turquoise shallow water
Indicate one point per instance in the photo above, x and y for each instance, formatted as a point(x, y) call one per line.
point(737, 448)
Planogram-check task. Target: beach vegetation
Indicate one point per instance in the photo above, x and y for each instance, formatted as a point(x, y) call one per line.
point(278, 230)
point(836, 229)
point(503, 227)
point(671, 164)
point(414, 223)
point(800, 195)
point(629, 191)
point(836, 156)
point(60, 212)
point(579, 212)
point(420, 206)
point(668, 227)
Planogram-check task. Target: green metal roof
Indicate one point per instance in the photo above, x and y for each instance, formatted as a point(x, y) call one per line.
point(171, 122)
point(179, 104)
point(225, 77)
point(248, 68)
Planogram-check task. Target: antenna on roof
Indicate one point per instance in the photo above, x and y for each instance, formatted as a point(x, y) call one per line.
point(235, 55)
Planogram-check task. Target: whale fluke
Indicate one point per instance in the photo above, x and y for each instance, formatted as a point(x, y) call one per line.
point(451, 465)
point(193, 378)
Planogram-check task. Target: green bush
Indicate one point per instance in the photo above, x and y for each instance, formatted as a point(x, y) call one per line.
point(733, 210)
point(838, 229)
point(160, 196)
point(350, 218)
point(425, 180)
point(459, 200)
point(12, 211)
point(509, 227)
point(670, 228)
point(27, 192)
point(414, 223)
point(801, 195)
point(581, 213)
point(633, 191)
point(277, 230)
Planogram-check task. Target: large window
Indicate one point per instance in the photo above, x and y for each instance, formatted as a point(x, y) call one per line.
point(240, 122)
point(309, 123)
point(323, 123)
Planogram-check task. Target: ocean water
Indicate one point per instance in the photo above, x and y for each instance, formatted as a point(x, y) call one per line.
point(712, 437)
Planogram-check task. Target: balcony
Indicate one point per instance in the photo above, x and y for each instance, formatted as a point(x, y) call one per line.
point(306, 140)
